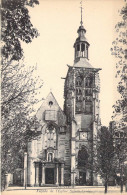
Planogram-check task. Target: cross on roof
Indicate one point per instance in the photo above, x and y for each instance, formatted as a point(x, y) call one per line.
point(81, 13)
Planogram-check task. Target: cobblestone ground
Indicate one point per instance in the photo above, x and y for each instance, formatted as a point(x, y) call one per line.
point(62, 190)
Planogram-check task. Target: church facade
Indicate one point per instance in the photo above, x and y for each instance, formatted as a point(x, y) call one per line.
point(62, 154)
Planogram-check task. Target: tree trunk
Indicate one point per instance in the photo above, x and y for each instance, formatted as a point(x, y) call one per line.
point(121, 179)
point(106, 186)
point(126, 186)
point(121, 186)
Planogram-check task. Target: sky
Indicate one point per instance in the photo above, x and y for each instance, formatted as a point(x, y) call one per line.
point(57, 22)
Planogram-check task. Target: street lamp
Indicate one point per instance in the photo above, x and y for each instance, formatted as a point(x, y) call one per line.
point(73, 172)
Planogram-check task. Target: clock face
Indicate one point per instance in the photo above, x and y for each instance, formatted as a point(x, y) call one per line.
point(83, 135)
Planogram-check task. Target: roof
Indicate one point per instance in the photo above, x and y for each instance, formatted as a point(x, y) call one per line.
point(81, 38)
point(81, 28)
point(83, 62)
point(50, 97)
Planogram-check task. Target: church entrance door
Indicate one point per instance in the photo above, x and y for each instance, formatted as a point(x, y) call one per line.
point(49, 175)
point(82, 178)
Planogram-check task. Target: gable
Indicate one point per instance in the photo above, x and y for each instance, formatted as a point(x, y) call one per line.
point(51, 111)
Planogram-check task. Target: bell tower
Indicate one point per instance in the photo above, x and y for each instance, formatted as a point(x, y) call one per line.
point(82, 109)
point(81, 44)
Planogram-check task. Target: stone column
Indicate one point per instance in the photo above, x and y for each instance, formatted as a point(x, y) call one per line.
point(57, 175)
point(62, 174)
point(25, 169)
point(31, 173)
point(43, 175)
point(73, 176)
point(88, 52)
point(79, 52)
point(73, 152)
point(85, 52)
point(37, 174)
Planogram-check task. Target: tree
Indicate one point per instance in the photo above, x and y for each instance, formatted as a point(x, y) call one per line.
point(120, 149)
point(120, 52)
point(18, 84)
point(120, 108)
point(16, 27)
point(18, 92)
point(105, 155)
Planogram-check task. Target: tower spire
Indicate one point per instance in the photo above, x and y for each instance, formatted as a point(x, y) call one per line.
point(81, 44)
point(81, 13)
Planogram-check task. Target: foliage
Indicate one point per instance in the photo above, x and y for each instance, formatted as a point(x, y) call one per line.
point(18, 92)
point(15, 27)
point(120, 52)
point(120, 145)
point(18, 84)
point(105, 155)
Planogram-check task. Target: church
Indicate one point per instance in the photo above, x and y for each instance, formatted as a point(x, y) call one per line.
point(62, 154)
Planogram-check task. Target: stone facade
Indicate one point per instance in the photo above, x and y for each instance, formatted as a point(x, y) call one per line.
point(63, 152)
point(82, 112)
point(48, 152)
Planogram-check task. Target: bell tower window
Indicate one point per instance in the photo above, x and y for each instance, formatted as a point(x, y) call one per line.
point(86, 52)
point(89, 81)
point(78, 47)
point(78, 98)
point(78, 91)
point(78, 51)
point(78, 82)
point(82, 47)
point(83, 50)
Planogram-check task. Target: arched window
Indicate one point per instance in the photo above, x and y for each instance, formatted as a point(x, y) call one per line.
point(88, 91)
point(89, 81)
point(50, 103)
point(78, 98)
point(78, 47)
point(83, 50)
point(86, 51)
point(78, 81)
point(82, 47)
point(78, 91)
point(88, 99)
point(50, 136)
point(82, 157)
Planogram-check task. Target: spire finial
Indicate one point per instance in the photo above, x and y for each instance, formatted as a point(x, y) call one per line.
point(81, 14)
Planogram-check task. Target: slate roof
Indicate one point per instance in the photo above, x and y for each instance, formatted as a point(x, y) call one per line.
point(83, 62)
